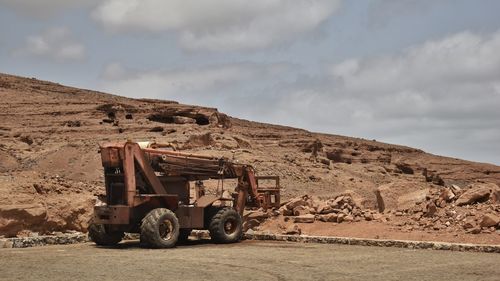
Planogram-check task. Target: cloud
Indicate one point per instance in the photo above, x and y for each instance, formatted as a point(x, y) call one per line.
point(113, 71)
point(207, 85)
point(45, 8)
point(381, 12)
point(219, 25)
point(441, 95)
point(55, 43)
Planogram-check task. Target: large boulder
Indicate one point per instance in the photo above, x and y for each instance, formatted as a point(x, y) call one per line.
point(477, 192)
point(256, 214)
point(293, 230)
point(328, 217)
point(309, 218)
point(294, 203)
point(301, 210)
point(14, 218)
point(357, 199)
point(400, 195)
point(254, 218)
point(324, 208)
point(406, 201)
point(489, 220)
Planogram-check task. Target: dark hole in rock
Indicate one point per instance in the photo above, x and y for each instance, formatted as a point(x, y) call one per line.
point(72, 123)
point(161, 118)
point(27, 139)
point(202, 120)
point(111, 115)
point(156, 129)
point(405, 169)
point(128, 116)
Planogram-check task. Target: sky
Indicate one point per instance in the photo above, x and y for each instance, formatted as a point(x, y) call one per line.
point(421, 73)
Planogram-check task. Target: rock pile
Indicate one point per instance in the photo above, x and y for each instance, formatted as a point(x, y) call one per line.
point(474, 210)
point(307, 209)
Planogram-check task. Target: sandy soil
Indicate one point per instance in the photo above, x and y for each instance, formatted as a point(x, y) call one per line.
point(249, 260)
point(378, 230)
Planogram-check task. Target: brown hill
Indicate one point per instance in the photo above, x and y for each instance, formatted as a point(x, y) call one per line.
point(50, 170)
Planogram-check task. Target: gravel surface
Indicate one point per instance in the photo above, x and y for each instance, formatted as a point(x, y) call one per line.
point(249, 260)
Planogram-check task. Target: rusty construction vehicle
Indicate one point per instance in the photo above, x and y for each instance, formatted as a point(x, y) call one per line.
point(149, 190)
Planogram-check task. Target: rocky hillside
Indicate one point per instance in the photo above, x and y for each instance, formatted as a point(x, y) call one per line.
point(50, 171)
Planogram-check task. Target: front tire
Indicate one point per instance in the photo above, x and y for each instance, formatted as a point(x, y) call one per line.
point(226, 226)
point(100, 235)
point(160, 229)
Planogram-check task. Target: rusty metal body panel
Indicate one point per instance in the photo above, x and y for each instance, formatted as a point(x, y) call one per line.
point(112, 214)
point(269, 195)
point(191, 217)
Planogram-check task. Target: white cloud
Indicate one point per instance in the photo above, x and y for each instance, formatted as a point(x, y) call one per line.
point(219, 25)
point(381, 12)
point(451, 67)
point(45, 8)
point(441, 95)
point(113, 71)
point(202, 85)
point(55, 43)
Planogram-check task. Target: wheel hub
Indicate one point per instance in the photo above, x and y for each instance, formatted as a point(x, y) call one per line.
point(230, 226)
point(166, 229)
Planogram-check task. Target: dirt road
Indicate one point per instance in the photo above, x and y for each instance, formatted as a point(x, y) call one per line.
point(249, 260)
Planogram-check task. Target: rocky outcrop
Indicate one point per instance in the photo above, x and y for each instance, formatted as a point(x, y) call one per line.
point(182, 114)
point(14, 218)
point(7, 161)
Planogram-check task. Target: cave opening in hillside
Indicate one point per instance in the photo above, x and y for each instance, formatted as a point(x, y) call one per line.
point(202, 120)
point(162, 118)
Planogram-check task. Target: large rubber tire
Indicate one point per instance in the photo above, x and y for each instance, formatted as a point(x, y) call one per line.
point(160, 229)
point(102, 237)
point(226, 226)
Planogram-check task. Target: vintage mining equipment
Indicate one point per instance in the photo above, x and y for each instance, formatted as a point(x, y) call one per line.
point(159, 193)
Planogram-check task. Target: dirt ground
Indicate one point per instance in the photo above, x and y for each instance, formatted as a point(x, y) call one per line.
point(249, 260)
point(378, 230)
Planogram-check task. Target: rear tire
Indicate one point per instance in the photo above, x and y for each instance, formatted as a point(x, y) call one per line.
point(226, 226)
point(100, 235)
point(160, 229)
